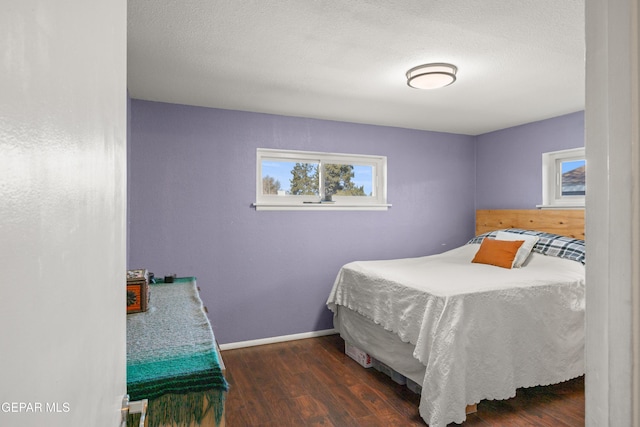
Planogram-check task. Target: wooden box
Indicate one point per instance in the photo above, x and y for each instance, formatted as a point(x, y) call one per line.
point(137, 291)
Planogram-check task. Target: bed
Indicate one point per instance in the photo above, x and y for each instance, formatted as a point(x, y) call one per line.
point(467, 331)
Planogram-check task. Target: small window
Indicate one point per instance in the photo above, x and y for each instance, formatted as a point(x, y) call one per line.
point(564, 178)
point(292, 180)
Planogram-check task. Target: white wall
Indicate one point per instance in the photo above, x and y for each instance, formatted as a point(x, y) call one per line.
point(62, 212)
point(613, 213)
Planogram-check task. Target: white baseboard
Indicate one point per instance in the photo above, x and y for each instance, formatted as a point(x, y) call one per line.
point(273, 340)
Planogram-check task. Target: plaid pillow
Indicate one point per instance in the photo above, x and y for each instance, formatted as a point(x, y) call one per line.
point(549, 244)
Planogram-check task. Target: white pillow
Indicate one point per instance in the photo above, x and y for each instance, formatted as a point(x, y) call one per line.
point(525, 249)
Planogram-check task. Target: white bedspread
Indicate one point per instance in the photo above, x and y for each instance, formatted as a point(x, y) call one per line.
point(481, 331)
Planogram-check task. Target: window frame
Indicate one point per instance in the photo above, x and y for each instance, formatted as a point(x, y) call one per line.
point(378, 201)
point(552, 179)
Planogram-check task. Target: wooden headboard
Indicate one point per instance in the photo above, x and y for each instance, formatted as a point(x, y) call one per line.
point(565, 222)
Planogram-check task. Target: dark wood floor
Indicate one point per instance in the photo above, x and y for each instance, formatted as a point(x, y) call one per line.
point(312, 382)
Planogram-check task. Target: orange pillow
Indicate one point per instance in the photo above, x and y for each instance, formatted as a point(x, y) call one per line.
point(500, 253)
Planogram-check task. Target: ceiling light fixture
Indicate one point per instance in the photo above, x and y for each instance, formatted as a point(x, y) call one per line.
point(431, 76)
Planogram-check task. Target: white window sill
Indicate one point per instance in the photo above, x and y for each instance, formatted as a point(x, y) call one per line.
point(560, 206)
point(320, 207)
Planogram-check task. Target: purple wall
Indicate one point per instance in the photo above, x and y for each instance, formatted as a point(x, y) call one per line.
point(509, 161)
point(265, 274)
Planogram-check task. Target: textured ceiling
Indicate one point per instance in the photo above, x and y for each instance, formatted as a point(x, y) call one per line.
point(518, 61)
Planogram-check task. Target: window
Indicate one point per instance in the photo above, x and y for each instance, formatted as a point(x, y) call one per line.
point(563, 178)
point(303, 180)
